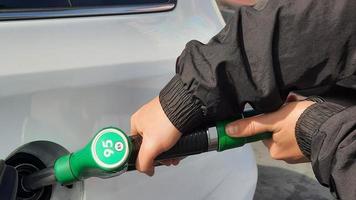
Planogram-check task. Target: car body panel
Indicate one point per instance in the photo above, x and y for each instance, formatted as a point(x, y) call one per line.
point(64, 79)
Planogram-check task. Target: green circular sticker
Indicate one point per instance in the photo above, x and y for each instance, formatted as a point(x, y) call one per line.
point(110, 148)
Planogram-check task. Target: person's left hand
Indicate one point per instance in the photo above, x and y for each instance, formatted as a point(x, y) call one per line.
point(282, 123)
point(158, 133)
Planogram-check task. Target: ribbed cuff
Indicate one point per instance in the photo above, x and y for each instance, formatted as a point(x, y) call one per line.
point(310, 121)
point(181, 107)
point(316, 99)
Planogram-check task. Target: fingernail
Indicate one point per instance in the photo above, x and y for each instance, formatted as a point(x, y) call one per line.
point(151, 172)
point(231, 129)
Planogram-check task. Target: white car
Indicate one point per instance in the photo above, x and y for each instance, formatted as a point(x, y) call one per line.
point(71, 67)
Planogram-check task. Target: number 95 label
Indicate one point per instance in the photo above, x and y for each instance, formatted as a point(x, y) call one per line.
point(110, 148)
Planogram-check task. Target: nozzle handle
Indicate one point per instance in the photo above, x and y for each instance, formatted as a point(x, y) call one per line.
point(187, 145)
point(198, 142)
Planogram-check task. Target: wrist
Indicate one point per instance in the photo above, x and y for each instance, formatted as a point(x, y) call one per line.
point(310, 121)
point(180, 106)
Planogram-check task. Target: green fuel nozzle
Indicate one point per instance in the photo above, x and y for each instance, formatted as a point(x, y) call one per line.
point(111, 152)
point(104, 156)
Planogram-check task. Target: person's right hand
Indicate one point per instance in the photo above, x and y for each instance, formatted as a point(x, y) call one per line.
point(282, 123)
point(158, 134)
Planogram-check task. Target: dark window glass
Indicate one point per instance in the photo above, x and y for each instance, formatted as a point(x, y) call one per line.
point(32, 4)
point(41, 4)
point(84, 3)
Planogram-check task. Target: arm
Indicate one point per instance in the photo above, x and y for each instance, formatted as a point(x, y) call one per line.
point(326, 134)
point(259, 57)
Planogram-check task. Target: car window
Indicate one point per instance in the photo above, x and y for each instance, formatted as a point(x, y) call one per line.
point(32, 4)
point(79, 3)
point(43, 4)
point(45, 9)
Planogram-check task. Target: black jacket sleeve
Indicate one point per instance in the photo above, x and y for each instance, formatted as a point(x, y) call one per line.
point(326, 134)
point(259, 57)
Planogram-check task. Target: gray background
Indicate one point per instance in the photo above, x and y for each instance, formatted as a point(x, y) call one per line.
point(279, 180)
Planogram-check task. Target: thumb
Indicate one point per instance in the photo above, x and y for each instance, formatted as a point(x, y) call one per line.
point(145, 159)
point(250, 126)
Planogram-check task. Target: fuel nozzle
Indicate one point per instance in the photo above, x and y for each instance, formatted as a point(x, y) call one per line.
point(105, 156)
point(111, 152)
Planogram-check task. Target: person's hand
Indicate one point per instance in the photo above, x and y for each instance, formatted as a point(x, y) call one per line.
point(158, 133)
point(283, 145)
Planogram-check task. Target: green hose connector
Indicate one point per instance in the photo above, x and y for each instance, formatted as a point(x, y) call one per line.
point(226, 142)
point(106, 154)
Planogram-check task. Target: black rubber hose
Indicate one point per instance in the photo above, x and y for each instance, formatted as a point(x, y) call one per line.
point(38, 180)
point(191, 144)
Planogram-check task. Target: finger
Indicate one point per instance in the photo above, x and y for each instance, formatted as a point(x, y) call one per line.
point(175, 162)
point(268, 143)
point(294, 97)
point(251, 126)
point(147, 153)
point(166, 162)
point(133, 129)
point(169, 162)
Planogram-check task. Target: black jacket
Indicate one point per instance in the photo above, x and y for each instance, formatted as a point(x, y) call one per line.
point(326, 133)
point(262, 54)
